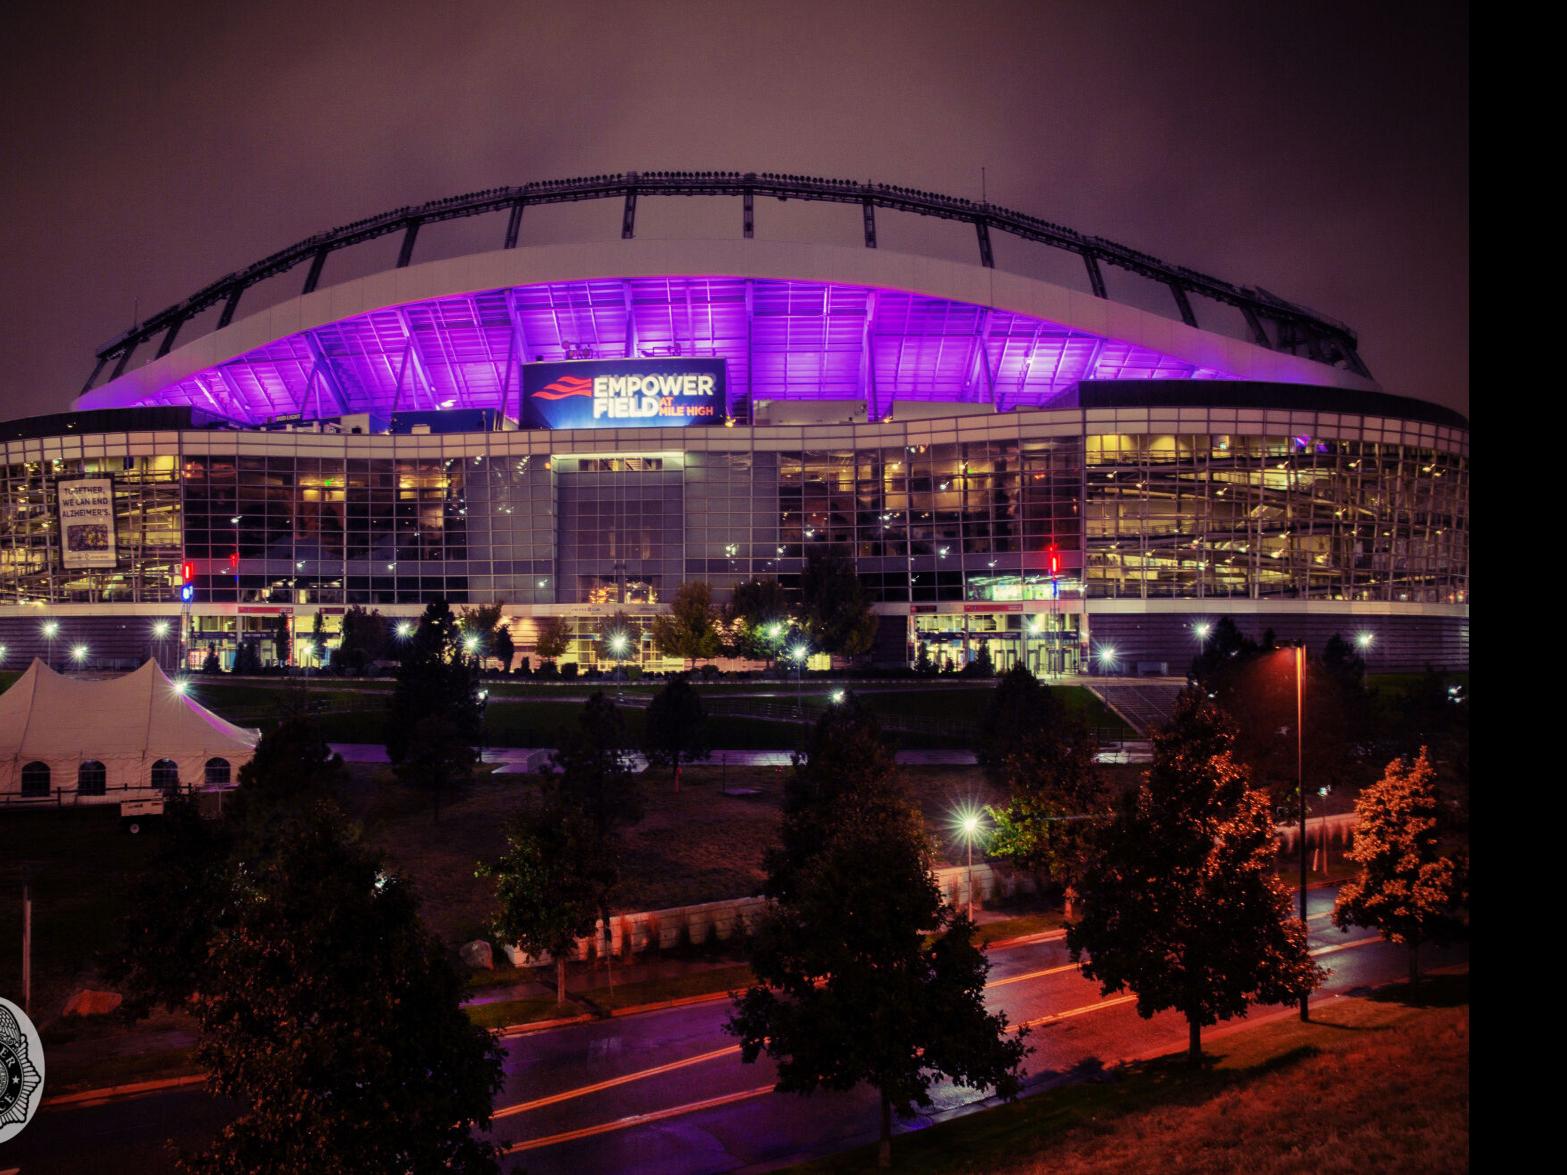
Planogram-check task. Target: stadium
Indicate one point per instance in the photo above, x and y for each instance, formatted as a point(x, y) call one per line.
point(1071, 478)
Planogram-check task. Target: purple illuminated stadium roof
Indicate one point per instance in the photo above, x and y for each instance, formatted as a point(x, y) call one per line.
point(797, 340)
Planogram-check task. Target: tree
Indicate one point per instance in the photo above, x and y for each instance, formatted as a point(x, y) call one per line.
point(690, 629)
point(853, 986)
point(364, 640)
point(1180, 899)
point(676, 729)
point(1409, 888)
point(481, 622)
point(318, 645)
point(281, 640)
point(504, 649)
point(439, 758)
point(246, 660)
point(596, 780)
point(553, 639)
point(835, 611)
point(983, 665)
point(211, 664)
point(922, 662)
point(756, 618)
point(1042, 754)
point(553, 881)
point(324, 1007)
point(434, 678)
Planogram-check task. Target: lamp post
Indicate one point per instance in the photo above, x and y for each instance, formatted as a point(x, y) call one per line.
point(1300, 785)
point(800, 651)
point(51, 629)
point(79, 655)
point(970, 827)
point(235, 521)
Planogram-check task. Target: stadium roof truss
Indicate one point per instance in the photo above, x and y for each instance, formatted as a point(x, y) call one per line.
point(797, 340)
point(460, 337)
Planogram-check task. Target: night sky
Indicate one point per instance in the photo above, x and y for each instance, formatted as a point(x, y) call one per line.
point(1319, 151)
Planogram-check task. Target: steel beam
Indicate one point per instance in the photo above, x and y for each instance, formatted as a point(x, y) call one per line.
point(125, 357)
point(514, 224)
point(986, 257)
point(168, 338)
point(230, 305)
point(1095, 279)
point(868, 360)
point(406, 253)
point(869, 206)
point(326, 371)
point(1259, 336)
point(1183, 304)
point(96, 372)
point(317, 264)
point(628, 219)
point(416, 356)
point(750, 215)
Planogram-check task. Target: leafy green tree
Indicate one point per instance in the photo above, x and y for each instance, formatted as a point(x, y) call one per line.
point(676, 729)
point(864, 974)
point(756, 618)
point(1180, 899)
point(1042, 755)
point(504, 648)
point(983, 664)
point(481, 623)
point(922, 661)
point(318, 642)
point(1410, 887)
point(553, 880)
point(836, 613)
point(281, 639)
point(553, 638)
point(434, 678)
point(324, 1007)
point(690, 629)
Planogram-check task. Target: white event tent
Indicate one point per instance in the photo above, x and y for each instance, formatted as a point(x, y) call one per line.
point(78, 740)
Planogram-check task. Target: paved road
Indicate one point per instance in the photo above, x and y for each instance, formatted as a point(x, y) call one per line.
point(520, 760)
point(666, 1092)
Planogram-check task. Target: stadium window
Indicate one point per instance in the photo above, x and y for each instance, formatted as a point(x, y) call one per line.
point(92, 778)
point(217, 772)
point(35, 780)
point(166, 776)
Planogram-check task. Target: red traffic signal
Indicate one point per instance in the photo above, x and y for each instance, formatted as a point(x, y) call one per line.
point(234, 561)
point(1055, 559)
point(187, 572)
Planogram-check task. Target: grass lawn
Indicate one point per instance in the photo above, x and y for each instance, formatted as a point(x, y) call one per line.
point(1370, 1084)
point(653, 991)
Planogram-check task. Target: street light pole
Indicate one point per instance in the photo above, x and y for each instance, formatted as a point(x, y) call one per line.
point(1300, 784)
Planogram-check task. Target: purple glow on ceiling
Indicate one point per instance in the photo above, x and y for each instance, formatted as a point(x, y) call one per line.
point(797, 341)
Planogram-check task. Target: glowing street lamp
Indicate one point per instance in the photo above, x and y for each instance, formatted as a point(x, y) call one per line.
point(1203, 630)
point(619, 643)
point(79, 653)
point(160, 629)
point(837, 695)
point(1364, 640)
point(2, 652)
point(404, 630)
point(470, 645)
point(970, 824)
point(179, 685)
point(1106, 657)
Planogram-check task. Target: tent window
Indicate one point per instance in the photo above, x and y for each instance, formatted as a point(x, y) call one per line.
point(166, 775)
point(217, 772)
point(35, 779)
point(92, 779)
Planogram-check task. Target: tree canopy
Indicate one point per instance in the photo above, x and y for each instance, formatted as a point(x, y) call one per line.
point(757, 618)
point(690, 629)
point(835, 611)
point(1042, 755)
point(864, 974)
point(1410, 887)
point(676, 730)
point(1180, 899)
point(325, 1008)
point(553, 637)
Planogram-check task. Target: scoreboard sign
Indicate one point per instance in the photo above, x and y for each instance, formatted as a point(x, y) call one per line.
point(623, 393)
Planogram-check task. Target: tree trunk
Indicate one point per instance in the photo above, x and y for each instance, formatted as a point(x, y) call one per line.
point(884, 1147)
point(1194, 1040)
point(560, 978)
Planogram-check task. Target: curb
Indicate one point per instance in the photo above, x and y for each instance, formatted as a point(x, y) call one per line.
point(116, 1092)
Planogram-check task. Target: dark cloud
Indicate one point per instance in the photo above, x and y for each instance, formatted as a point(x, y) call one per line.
point(1319, 151)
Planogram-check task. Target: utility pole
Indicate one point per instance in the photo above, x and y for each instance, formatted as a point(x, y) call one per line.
point(27, 945)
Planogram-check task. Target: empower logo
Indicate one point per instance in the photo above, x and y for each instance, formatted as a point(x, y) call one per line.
point(566, 385)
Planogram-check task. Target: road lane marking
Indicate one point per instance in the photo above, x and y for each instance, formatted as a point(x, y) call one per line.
point(1070, 1012)
point(627, 1123)
point(1347, 946)
point(1031, 975)
point(625, 1079)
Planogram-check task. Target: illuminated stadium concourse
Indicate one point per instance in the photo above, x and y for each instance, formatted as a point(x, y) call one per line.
point(1080, 480)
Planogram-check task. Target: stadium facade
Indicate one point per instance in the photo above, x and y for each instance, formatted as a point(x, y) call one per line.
point(1075, 482)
